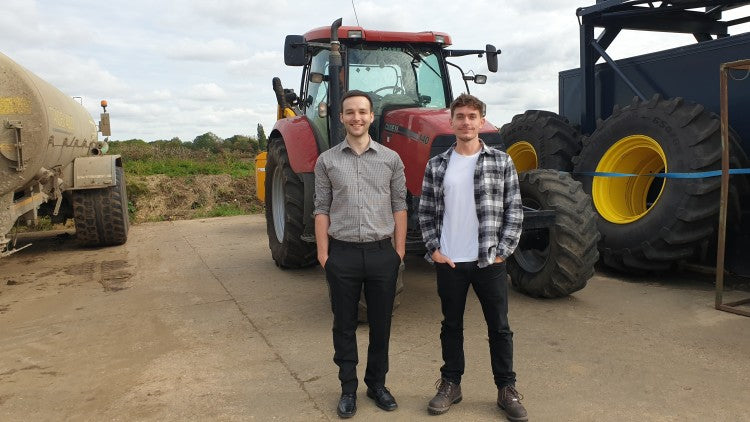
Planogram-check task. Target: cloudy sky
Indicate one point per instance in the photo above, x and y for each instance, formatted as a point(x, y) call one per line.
point(185, 67)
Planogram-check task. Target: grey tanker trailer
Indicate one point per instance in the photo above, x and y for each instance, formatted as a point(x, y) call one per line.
point(52, 162)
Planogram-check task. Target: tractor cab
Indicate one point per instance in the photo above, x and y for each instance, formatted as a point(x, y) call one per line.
point(397, 69)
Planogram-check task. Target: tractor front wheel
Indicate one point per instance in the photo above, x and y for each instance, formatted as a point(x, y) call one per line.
point(284, 211)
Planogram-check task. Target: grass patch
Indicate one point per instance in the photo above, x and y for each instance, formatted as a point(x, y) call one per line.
point(176, 167)
point(223, 210)
point(141, 159)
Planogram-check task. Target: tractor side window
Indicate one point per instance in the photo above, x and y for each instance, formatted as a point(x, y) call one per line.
point(317, 92)
point(430, 82)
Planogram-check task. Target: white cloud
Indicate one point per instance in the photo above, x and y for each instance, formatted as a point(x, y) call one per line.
point(186, 67)
point(258, 62)
point(212, 50)
point(206, 92)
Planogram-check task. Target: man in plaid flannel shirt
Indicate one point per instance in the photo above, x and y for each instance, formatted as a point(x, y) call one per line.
point(470, 214)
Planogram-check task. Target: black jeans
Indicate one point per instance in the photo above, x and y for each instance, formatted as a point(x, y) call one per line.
point(350, 267)
point(491, 287)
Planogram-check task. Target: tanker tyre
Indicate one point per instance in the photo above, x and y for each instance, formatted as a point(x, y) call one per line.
point(559, 260)
point(362, 306)
point(541, 139)
point(648, 224)
point(284, 211)
point(101, 215)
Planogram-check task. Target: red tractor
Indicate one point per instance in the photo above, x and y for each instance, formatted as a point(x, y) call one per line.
point(406, 75)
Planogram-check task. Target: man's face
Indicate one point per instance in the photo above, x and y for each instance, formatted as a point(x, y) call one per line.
point(466, 122)
point(356, 116)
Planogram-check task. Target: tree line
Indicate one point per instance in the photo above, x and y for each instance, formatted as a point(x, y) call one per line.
point(211, 142)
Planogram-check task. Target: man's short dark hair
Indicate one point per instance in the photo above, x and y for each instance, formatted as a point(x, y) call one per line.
point(355, 93)
point(467, 100)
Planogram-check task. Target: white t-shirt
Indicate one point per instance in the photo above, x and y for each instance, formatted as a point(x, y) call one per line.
point(459, 238)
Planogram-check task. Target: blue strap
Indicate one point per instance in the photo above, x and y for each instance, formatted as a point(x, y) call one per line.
point(696, 175)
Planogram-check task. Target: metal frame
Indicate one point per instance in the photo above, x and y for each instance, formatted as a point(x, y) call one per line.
point(668, 16)
point(721, 246)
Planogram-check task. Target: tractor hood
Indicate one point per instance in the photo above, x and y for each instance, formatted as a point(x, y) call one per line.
point(430, 127)
point(418, 134)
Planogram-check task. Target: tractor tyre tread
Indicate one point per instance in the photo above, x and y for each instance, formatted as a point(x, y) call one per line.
point(572, 238)
point(101, 215)
point(293, 251)
point(554, 139)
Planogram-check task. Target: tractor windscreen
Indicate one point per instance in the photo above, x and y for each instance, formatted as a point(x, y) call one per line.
point(397, 75)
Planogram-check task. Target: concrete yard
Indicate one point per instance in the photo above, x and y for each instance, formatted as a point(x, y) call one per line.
point(191, 320)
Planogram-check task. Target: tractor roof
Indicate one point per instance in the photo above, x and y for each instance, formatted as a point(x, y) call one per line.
point(357, 32)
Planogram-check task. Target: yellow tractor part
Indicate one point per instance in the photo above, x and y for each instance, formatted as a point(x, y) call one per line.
point(260, 159)
point(524, 156)
point(283, 114)
point(260, 176)
point(623, 200)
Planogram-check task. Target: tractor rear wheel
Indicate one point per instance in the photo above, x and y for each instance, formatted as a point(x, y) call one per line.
point(101, 215)
point(649, 223)
point(558, 260)
point(541, 139)
point(284, 211)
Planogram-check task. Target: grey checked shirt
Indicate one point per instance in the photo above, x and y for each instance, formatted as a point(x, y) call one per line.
point(498, 199)
point(360, 193)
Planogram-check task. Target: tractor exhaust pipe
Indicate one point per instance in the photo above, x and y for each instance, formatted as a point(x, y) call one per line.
point(336, 90)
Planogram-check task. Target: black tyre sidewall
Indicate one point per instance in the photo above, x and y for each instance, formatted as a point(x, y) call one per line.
point(677, 196)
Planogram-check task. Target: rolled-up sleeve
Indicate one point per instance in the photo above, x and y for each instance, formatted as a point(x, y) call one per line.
point(323, 195)
point(398, 186)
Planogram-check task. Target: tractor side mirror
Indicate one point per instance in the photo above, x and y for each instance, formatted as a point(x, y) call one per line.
point(478, 79)
point(295, 50)
point(491, 58)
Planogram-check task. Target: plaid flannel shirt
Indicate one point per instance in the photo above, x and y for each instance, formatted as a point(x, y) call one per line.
point(498, 204)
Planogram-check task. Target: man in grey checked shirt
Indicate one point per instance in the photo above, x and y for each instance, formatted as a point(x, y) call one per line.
point(360, 202)
point(470, 214)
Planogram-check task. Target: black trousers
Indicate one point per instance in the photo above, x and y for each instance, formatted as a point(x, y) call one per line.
point(491, 287)
point(350, 268)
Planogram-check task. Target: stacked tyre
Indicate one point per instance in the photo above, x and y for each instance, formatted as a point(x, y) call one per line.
point(541, 139)
point(648, 222)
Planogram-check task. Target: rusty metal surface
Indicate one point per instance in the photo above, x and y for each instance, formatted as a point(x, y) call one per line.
point(732, 307)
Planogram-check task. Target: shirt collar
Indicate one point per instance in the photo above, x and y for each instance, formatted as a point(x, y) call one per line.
point(484, 150)
point(375, 146)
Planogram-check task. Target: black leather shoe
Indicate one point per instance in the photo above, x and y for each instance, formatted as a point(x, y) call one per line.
point(383, 398)
point(347, 405)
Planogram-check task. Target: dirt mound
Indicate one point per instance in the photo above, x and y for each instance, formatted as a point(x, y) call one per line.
point(159, 197)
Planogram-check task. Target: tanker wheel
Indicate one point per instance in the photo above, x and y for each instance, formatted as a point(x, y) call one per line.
point(101, 215)
point(362, 306)
point(541, 139)
point(558, 260)
point(649, 223)
point(284, 211)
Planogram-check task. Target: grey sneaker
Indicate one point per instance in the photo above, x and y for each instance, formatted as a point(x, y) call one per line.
point(448, 394)
point(509, 400)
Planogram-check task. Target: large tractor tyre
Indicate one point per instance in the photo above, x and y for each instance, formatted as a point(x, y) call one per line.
point(649, 223)
point(284, 211)
point(558, 260)
point(101, 215)
point(362, 306)
point(541, 139)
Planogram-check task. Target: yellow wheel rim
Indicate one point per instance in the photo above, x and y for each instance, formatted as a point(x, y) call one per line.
point(524, 156)
point(623, 200)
